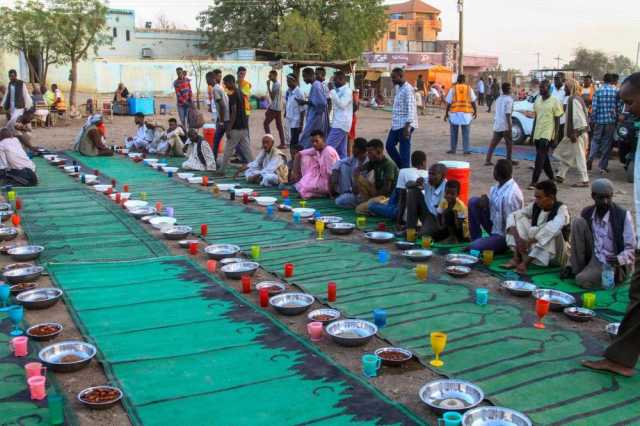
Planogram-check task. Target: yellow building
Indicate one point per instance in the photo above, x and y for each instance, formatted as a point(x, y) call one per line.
point(413, 27)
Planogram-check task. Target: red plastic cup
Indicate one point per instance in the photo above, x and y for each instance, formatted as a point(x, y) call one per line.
point(246, 284)
point(285, 194)
point(109, 191)
point(264, 297)
point(205, 180)
point(15, 219)
point(34, 369)
point(159, 207)
point(245, 198)
point(193, 248)
point(96, 172)
point(288, 270)
point(331, 291)
point(37, 387)
point(18, 203)
point(118, 198)
point(113, 183)
point(19, 346)
point(125, 188)
point(204, 230)
point(212, 265)
point(382, 227)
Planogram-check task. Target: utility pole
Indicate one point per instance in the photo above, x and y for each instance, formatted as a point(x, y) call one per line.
point(558, 58)
point(461, 37)
point(538, 55)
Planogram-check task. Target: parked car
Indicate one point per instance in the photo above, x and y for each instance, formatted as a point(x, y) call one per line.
point(522, 119)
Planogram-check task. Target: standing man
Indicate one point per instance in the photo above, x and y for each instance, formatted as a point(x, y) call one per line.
point(495, 93)
point(274, 112)
point(546, 128)
point(17, 98)
point(294, 112)
point(604, 116)
point(488, 97)
point(588, 90)
point(245, 89)
point(558, 92)
point(461, 104)
point(422, 89)
point(342, 101)
point(221, 101)
point(404, 120)
point(622, 355)
point(480, 90)
point(502, 125)
point(316, 108)
point(210, 102)
point(184, 96)
point(351, 137)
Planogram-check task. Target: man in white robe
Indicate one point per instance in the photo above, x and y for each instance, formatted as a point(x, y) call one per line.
point(269, 168)
point(144, 135)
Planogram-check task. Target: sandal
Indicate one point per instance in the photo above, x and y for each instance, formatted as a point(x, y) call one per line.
point(559, 179)
point(531, 187)
point(580, 185)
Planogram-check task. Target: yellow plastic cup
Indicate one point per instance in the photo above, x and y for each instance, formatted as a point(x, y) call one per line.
point(143, 196)
point(411, 235)
point(361, 222)
point(487, 257)
point(320, 229)
point(426, 242)
point(422, 271)
point(303, 203)
point(11, 195)
point(255, 252)
point(589, 300)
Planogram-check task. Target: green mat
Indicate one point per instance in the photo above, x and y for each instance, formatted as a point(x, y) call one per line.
point(534, 371)
point(184, 347)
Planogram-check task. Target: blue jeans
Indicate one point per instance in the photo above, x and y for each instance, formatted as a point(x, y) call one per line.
point(402, 158)
point(602, 143)
point(454, 137)
point(387, 210)
point(183, 113)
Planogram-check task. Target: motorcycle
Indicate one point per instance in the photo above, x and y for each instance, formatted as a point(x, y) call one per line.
point(625, 138)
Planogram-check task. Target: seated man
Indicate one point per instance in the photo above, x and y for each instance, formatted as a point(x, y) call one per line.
point(489, 213)
point(453, 221)
point(536, 232)
point(269, 168)
point(20, 126)
point(423, 205)
point(16, 168)
point(144, 135)
point(90, 140)
point(342, 176)
point(385, 174)
point(603, 233)
point(312, 167)
point(170, 142)
point(199, 153)
point(395, 207)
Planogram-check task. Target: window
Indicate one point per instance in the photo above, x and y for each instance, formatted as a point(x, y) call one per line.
point(128, 35)
point(396, 16)
point(392, 35)
point(117, 19)
point(115, 32)
point(403, 31)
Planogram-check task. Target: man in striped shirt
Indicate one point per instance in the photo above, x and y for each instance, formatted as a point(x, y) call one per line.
point(404, 120)
point(605, 114)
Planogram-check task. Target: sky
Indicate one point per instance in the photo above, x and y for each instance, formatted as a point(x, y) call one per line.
point(513, 30)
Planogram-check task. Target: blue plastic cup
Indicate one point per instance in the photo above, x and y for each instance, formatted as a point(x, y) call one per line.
point(383, 256)
point(287, 202)
point(83, 179)
point(371, 365)
point(170, 174)
point(269, 210)
point(76, 169)
point(380, 317)
point(475, 253)
point(169, 211)
point(296, 217)
point(482, 296)
point(450, 418)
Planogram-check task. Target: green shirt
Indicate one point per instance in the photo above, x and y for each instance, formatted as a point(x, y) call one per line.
point(546, 112)
point(385, 173)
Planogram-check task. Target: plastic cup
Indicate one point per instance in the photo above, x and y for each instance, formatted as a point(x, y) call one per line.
point(96, 172)
point(255, 252)
point(245, 198)
point(383, 256)
point(380, 317)
point(204, 230)
point(482, 296)
point(287, 202)
point(11, 195)
point(5, 291)
point(371, 365)
point(83, 179)
point(109, 191)
point(143, 196)
point(411, 235)
point(193, 248)
point(246, 284)
point(159, 206)
point(170, 211)
point(450, 418)
point(113, 183)
point(212, 265)
point(270, 211)
point(56, 409)
point(285, 194)
point(33, 369)
point(426, 242)
point(589, 300)
point(264, 297)
point(288, 270)
point(361, 222)
point(125, 188)
point(19, 346)
point(37, 387)
point(332, 290)
point(422, 271)
point(303, 203)
point(15, 219)
point(315, 331)
point(205, 180)
point(118, 198)
point(18, 203)
point(296, 217)
point(170, 175)
point(487, 257)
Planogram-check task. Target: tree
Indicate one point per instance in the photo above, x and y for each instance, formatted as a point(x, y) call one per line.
point(597, 63)
point(621, 64)
point(79, 26)
point(163, 22)
point(302, 37)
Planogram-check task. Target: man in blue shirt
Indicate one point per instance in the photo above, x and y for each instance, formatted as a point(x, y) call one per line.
point(605, 107)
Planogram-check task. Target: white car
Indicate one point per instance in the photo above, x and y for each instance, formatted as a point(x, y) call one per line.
point(522, 119)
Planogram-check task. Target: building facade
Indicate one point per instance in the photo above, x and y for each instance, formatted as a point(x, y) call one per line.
point(413, 27)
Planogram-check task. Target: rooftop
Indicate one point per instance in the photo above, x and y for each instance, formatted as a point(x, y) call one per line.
point(412, 6)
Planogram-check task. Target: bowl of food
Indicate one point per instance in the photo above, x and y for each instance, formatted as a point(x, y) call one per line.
point(100, 397)
point(405, 245)
point(13, 266)
point(558, 299)
point(67, 356)
point(578, 314)
point(304, 212)
point(140, 212)
point(160, 222)
point(490, 415)
point(221, 251)
point(273, 287)
point(379, 237)
point(324, 316)
point(23, 274)
point(39, 298)
point(135, 204)
point(4, 248)
point(291, 303)
point(266, 201)
point(230, 260)
point(341, 228)
point(44, 331)
point(326, 219)
point(284, 208)
point(394, 357)
point(443, 395)
point(133, 155)
point(25, 253)
point(417, 255)
point(5, 215)
point(176, 232)
point(518, 288)
point(459, 259)
point(612, 329)
point(21, 288)
point(351, 332)
point(236, 270)
point(8, 233)
point(102, 188)
point(458, 271)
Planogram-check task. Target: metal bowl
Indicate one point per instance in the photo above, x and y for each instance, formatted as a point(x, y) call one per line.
point(186, 243)
point(458, 271)
point(39, 298)
point(458, 259)
point(559, 299)
point(8, 233)
point(379, 237)
point(326, 219)
point(451, 395)
point(4, 248)
point(393, 362)
point(405, 245)
point(273, 287)
point(579, 314)
point(178, 232)
point(44, 337)
point(241, 191)
point(238, 269)
point(53, 355)
point(519, 288)
point(266, 201)
point(99, 405)
point(169, 169)
point(324, 316)
point(221, 251)
point(417, 255)
point(23, 275)
point(5, 215)
point(160, 222)
point(304, 212)
point(140, 212)
point(18, 265)
point(230, 260)
point(135, 204)
point(4, 207)
point(489, 416)
point(226, 186)
point(351, 332)
point(21, 288)
point(291, 303)
point(23, 253)
point(341, 228)
point(284, 208)
point(612, 329)
point(102, 188)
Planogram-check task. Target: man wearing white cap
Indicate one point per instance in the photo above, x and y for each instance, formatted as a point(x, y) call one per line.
point(269, 168)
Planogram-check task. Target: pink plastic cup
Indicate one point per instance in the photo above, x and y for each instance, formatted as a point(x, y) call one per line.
point(19, 346)
point(37, 387)
point(315, 330)
point(34, 369)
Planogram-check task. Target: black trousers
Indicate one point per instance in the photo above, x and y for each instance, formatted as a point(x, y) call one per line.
point(19, 177)
point(417, 210)
point(450, 230)
point(294, 141)
point(542, 160)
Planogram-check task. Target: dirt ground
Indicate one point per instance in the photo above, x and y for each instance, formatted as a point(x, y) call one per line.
point(400, 384)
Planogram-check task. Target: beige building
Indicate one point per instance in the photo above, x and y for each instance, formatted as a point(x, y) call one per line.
point(413, 27)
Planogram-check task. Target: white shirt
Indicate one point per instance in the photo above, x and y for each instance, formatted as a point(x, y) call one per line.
point(276, 94)
point(410, 174)
point(342, 105)
point(13, 157)
point(560, 95)
point(460, 118)
point(293, 109)
point(504, 106)
point(433, 196)
point(480, 87)
point(219, 95)
point(404, 108)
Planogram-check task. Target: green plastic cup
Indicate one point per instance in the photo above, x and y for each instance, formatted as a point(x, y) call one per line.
point(56, 409)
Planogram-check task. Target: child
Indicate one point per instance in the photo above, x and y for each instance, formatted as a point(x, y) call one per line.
point(453, 219)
